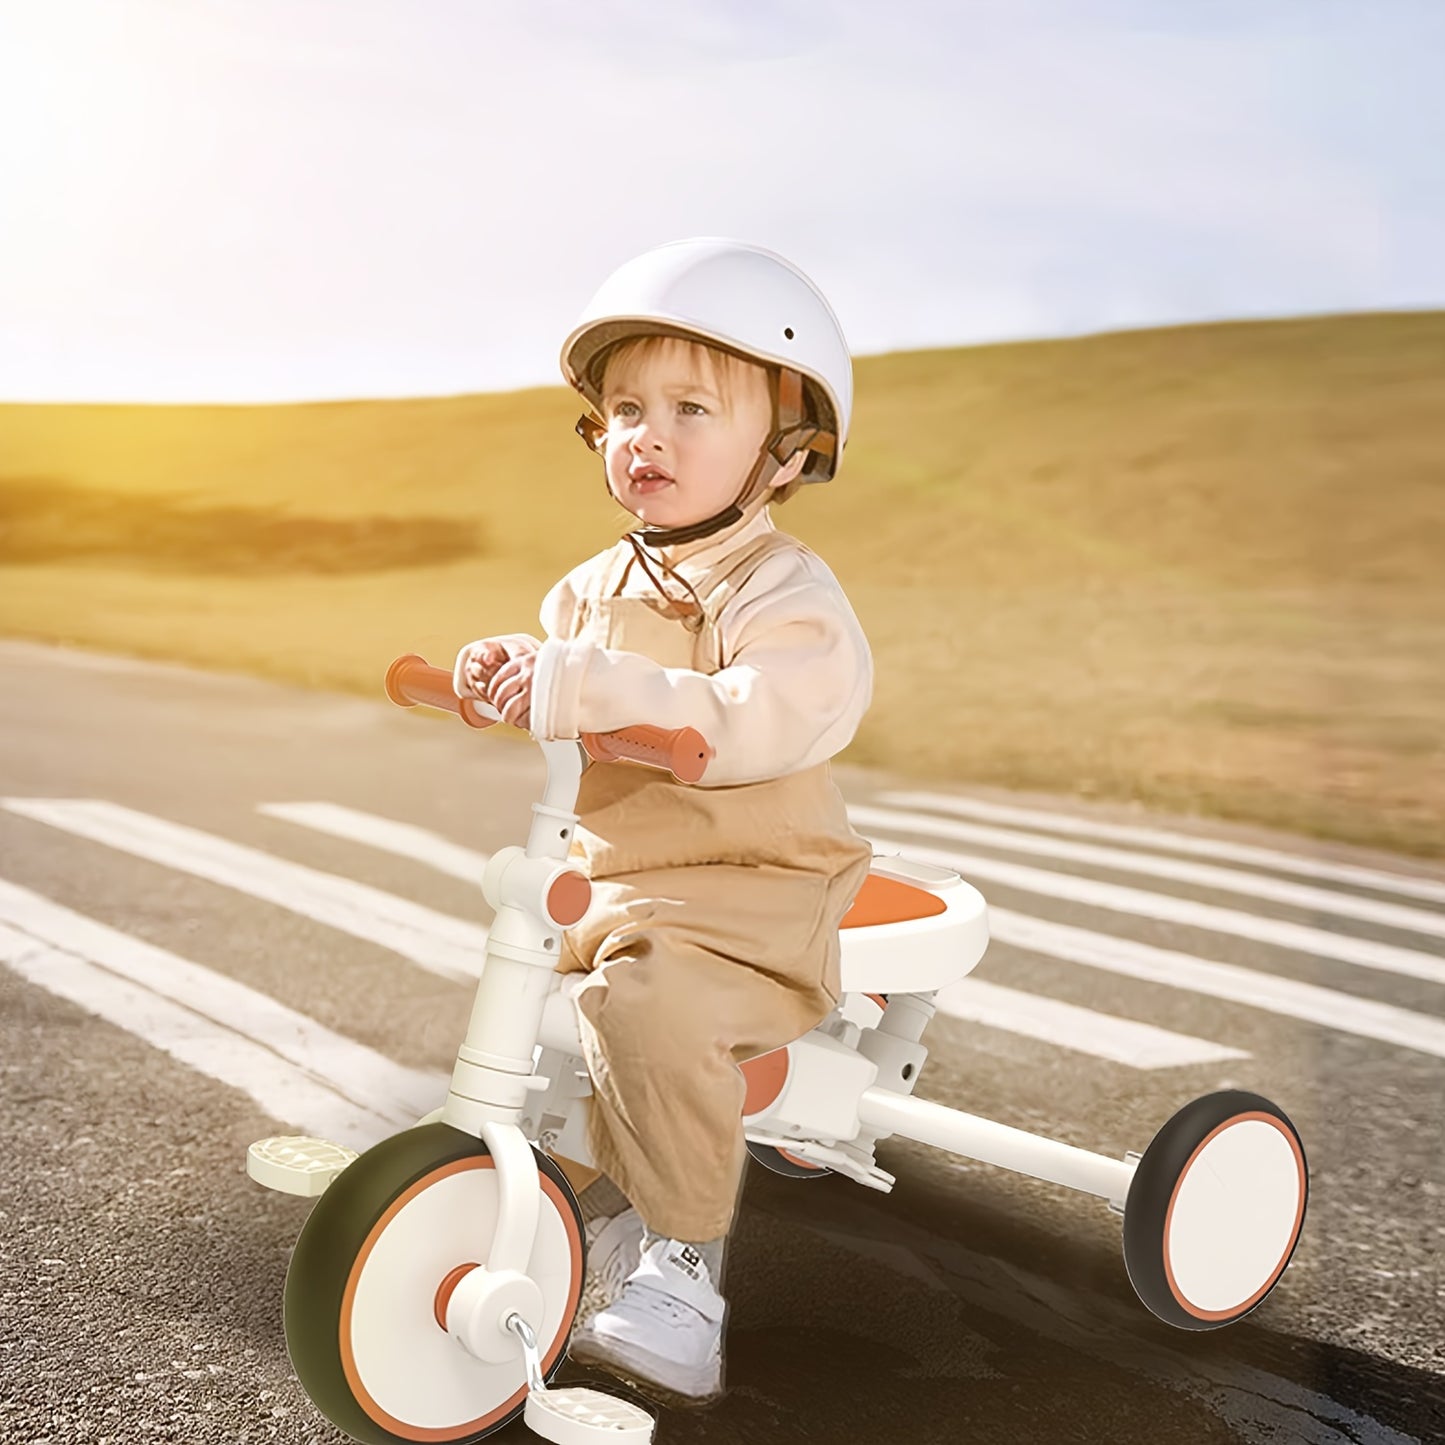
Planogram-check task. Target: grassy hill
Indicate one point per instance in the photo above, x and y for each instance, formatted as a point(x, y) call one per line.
point(1200, 567)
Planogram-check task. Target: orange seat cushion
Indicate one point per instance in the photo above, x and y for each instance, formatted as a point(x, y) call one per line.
point(886, 900)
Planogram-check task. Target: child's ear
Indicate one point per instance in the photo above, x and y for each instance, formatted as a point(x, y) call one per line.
point(790, 469)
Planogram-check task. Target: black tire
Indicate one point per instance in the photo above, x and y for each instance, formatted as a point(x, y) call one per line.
point(780, 1163)
point(1156, 1259)
point(346, 1230)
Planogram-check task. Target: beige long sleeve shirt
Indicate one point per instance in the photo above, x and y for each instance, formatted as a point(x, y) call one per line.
point(797, 675)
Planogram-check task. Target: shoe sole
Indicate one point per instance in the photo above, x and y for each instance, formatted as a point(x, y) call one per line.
point(637, 1368)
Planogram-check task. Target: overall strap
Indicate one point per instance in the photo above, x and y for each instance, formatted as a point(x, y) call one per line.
point(614, 571)
point(739, 568)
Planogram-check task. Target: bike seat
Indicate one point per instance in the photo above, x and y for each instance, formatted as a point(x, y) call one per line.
point(913, 928)
point(888, 900)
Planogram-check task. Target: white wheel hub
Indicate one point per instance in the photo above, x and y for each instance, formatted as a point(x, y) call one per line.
point(1234, 1216)
point(399, 1358)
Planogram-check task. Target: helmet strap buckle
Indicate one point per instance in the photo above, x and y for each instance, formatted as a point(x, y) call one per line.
point(592, 432)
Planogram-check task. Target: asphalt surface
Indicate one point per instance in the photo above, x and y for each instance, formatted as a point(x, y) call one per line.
point(141, 1271)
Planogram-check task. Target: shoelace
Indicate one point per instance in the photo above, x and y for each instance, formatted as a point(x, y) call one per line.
point(602, 1287)
point(672, 1311)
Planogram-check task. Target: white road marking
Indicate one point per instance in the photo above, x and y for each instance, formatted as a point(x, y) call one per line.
point(405, 840)
point(1343, 1012)
point(1123, 1041)
point(283, 1091)
point(1383, 957)
point(1379, 879)
point(286, 1091)
point(442, 944)
point(363, 1076)
point(369, 913)
point(1118, 1040)
point(1203, 875)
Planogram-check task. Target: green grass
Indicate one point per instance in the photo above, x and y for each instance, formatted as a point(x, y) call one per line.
point(1199, 567)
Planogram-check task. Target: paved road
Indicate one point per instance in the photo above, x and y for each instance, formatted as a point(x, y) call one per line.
point(149, 873)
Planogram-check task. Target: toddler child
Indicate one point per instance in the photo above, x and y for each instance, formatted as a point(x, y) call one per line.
point(720, 381)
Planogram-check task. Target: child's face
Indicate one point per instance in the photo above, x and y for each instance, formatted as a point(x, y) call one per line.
point(682, 412)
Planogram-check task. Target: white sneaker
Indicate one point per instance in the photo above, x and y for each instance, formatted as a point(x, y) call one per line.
point(614, 1246)
point(665, 1327)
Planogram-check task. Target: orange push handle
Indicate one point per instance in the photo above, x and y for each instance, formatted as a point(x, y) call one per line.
point(411, 680)
point(683, 751)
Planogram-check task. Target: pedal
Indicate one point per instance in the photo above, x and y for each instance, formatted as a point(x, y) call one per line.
point(576, 1414)
point(296, 1163)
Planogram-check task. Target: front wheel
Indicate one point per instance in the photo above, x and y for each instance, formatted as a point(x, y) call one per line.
point(375, 1263)
point(1215, 1210)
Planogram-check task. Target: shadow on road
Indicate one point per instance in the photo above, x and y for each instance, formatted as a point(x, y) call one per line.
point(928, 1317)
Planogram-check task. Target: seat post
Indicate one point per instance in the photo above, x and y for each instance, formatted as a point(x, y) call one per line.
point(907, 1015)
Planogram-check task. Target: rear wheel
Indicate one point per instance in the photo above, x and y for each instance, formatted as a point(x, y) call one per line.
point(368, 1283)
point(1215, 1210)
point(780, 1161)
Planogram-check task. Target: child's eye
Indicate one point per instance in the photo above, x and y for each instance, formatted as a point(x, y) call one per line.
point(624, 408)
point(694, 408)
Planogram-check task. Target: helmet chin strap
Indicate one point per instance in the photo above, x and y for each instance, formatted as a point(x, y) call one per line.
point(764, 470)
point(791, 434)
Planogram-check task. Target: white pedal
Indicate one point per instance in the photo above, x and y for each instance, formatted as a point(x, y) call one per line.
point(296, 1163)
point(576, 1415)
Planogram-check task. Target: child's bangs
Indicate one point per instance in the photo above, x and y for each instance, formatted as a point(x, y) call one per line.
point(721, 371)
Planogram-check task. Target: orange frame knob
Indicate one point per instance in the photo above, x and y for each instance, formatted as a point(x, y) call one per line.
point(568, 898)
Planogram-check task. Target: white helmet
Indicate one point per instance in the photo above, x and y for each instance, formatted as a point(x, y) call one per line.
point(743, 299)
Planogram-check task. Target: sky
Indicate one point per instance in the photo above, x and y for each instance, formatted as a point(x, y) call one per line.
point(257, 200)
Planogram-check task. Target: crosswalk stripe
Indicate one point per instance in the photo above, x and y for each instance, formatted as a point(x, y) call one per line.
point(361, 1075)
point(286, 1091)
point(442, 944)
point(1203, 875)
point(1308, 1002)
point(283, 1091)
point(405, 840)
point(370, 913)
point(1379, 879)
point(1383, 957)
point(1119, 1040)
point(1051, 1021)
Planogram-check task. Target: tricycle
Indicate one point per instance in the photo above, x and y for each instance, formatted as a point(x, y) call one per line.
point(433, 1287)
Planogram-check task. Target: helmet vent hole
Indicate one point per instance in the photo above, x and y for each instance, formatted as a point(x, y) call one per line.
point(788, 332)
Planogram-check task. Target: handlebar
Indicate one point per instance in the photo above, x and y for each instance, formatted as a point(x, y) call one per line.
point(411, 680)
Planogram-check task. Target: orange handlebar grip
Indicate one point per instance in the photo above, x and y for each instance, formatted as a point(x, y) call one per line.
point(411, 680)
point(684, 752)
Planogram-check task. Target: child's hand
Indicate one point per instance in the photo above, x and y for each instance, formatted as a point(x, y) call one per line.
point(510, 691)
point(477, 662)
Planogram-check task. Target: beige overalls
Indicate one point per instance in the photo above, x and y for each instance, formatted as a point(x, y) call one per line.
point(712, 935)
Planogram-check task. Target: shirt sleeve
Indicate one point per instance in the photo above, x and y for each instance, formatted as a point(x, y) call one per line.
point(798, 679)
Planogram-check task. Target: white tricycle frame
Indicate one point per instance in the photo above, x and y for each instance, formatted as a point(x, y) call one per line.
point(432, 1290)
